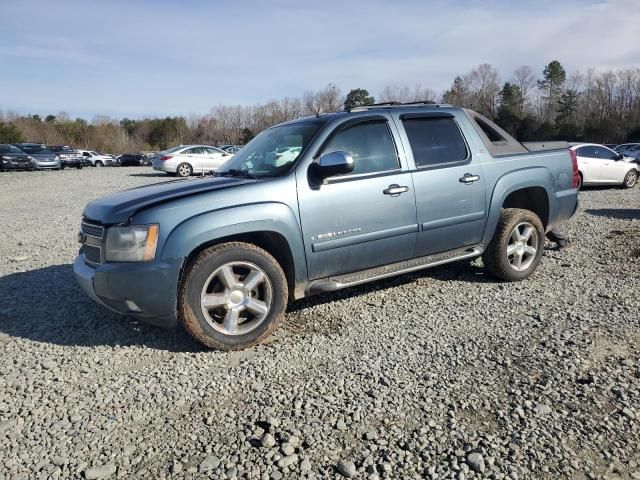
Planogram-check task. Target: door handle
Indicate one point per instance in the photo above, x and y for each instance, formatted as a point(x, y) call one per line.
point(395, 190)
point(469, 178)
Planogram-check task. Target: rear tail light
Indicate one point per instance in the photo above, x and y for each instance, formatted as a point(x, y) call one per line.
point(574, 165)
point(166, 157)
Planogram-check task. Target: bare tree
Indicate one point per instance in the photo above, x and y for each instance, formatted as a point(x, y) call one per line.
point(405, 94)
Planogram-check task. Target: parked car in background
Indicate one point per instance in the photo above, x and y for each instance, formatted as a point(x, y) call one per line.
point(130, 160)
point(230, 148)
point(12, 158)
point(188, 159)
point(95, 159)
point(625, 147)
point(373, 192)
point(633, 150)
point(599, 165)
point(43, 157)
point(68, 156)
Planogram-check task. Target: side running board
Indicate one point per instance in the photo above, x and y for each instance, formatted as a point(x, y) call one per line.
point(351, 279)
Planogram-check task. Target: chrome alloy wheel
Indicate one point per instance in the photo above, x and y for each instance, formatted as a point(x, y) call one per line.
point(184, 170)
point(631, 179)
point(236, 298)
point(522, 247)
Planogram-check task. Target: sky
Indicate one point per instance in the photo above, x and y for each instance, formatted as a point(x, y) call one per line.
point(160, 57)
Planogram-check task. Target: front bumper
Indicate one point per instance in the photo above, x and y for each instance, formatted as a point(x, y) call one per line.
point(71, 162)
point(12, 165)
point(150, 286)
point(47, 165)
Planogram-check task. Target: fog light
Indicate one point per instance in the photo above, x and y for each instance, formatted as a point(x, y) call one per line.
point(131, 305)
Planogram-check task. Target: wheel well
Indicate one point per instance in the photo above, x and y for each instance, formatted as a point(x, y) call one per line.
point(531, 198)
point(272, 242)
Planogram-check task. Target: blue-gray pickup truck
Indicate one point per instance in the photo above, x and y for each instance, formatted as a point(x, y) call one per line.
point(319, 204)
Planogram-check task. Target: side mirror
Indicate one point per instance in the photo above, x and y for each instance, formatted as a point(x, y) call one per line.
point(332, 164)
point(618, 157)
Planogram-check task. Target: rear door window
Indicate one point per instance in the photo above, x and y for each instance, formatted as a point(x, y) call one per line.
point(435, 141)
point(369, 143)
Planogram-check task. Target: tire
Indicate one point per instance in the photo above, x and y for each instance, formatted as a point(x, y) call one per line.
point(184, 170)
point(79, 167)
point(496, 258)
point(579, 187)
point(630, 179)
point(205, 275)
point(99, 163)
point(62, 167)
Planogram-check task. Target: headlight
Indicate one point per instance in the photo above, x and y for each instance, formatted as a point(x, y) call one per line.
point(132, 244)
point(31, 158)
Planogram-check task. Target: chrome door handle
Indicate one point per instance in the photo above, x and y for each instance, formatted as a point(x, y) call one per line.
point(395, 190)
point(469, 178)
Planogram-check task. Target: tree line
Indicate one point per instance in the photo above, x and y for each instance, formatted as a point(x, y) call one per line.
point(596, 106)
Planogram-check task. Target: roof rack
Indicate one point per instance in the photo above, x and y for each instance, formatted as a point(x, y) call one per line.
point(398, 104)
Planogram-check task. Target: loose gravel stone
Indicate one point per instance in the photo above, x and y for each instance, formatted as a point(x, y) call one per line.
point(346, 468)
point(100, 471)
point(407, 377)
point(268, 441)
point(476, 462)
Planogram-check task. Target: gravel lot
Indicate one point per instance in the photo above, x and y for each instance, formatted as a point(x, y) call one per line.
point(441, 374)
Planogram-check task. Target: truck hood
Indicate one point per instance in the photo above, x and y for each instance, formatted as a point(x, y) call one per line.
point(119, 207)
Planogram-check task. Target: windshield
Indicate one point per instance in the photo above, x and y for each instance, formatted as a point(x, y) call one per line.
point(9, 149)
point(272, 152)
point(35, 149)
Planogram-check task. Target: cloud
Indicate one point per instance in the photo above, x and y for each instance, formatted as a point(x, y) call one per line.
point(136, 58)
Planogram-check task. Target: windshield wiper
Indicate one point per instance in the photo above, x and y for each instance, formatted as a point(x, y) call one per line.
point(233, 172)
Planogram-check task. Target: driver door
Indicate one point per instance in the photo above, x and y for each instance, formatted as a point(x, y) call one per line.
point(363, 219)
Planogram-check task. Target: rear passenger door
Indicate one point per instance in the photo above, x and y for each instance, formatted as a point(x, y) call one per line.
point(448, 182)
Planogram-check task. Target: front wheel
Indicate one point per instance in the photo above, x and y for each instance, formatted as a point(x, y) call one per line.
point(630, 179)
point(232, 296)
point(79, 167)
point(99, 164)
point(517, 245)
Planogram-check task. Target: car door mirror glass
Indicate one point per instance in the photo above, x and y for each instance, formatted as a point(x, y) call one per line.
point(334, 163)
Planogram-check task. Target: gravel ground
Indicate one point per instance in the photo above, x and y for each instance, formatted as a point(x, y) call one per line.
point(441, 374)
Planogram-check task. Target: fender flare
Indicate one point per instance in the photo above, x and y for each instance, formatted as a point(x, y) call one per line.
point(517, 180)
point(246, 219)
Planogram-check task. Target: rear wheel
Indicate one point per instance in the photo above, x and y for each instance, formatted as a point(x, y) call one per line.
point(79, 167)
point(517, 245)
point(579, 181)
point(630, 179)
point(233, 296)
point(184, 170)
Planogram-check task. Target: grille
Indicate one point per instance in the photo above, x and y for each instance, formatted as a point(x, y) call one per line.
point(92, 230)
point(91, 253)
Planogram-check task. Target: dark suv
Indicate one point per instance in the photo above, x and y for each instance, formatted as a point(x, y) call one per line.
point(69, 157)
point(131, 160)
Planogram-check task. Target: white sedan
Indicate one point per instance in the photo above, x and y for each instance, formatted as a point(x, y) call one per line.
point(599, 165)
point(188, 159)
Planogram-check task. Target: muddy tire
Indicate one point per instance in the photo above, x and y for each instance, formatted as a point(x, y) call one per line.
point(517, 245)
point(232, 296)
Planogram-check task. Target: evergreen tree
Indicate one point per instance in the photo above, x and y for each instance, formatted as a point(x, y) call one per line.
point(358, 97)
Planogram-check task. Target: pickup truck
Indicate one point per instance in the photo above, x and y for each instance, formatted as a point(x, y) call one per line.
point(371, 192)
